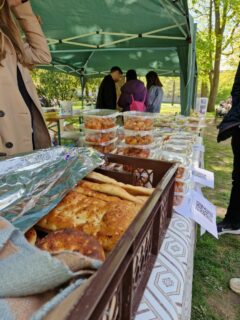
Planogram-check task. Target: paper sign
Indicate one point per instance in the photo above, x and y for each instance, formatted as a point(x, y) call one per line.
point(203, 177)
point(198, 148)
point(202, 231)
point(204, 213)
point(185, 208)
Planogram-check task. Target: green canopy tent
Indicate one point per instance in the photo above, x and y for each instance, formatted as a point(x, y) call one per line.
point(87, 38)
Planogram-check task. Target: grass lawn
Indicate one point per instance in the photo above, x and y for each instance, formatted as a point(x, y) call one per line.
point(216, 261)
point(167, 108)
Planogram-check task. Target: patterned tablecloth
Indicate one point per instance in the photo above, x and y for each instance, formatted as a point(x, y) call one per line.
point(168, 294)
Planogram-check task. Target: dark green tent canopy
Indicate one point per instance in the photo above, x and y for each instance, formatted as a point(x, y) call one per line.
point(87, 38)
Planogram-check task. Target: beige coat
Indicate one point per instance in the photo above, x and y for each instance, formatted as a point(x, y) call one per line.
point(15, 119)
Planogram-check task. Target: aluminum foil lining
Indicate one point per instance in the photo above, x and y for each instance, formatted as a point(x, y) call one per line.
point(31, 185)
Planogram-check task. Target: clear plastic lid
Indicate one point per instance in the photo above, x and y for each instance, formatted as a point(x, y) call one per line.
point(102, 144)
point(181, 187)
point(100, 137)
point(133, 114)
point(174, 157)
point(138, 133)
point(101, 113)
point(184, 173)
point(131, 151)
point(177, 149)
point(180, 142)
point(141, 146)
point(87, 130)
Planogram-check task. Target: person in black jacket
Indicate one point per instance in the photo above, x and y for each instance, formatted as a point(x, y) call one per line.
point(107, 95)
point(230, 127)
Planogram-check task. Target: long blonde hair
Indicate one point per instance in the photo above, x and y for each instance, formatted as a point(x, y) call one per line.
point(9, 28)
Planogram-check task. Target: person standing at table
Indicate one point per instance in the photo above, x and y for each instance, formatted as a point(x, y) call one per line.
point(230, 127)
point(155, 92)
point(132, 90)
point(107, 95)
point(22, 126)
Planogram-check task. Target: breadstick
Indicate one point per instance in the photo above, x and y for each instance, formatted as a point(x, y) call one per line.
point(110, 189)
point(100, 178)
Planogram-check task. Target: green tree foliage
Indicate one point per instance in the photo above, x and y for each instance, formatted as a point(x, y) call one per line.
point(56, 85)
point(218, 37)
point(61, 86)
point(225, 85)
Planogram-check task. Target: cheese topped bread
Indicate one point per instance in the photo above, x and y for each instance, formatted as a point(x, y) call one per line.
point(102, 210)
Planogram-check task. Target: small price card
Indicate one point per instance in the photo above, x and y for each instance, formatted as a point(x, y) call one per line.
point(203, 177)
point(204, 213)
point(198, 148)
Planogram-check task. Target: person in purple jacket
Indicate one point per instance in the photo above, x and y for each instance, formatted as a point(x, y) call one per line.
point(133, 87)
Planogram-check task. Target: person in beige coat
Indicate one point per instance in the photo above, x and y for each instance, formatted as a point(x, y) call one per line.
point(22, 126)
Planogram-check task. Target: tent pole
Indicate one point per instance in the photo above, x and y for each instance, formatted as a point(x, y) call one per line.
point(175, 20)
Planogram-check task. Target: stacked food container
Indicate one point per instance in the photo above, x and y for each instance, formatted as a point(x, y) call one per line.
point(179, 148)
point(139, 137)
point(100, 129)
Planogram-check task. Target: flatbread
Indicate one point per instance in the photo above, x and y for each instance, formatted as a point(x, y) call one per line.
point(135, 190)
point(115, 222)
point(109, 189)
point(76, 211)
point(98, 195)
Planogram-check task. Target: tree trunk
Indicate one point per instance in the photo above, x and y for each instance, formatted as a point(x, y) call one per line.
point(204, 89)
point(215, 79)
point(219, 31)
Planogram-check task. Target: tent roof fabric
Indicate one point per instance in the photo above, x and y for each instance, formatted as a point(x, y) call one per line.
point(87, 38)
point(94, 35)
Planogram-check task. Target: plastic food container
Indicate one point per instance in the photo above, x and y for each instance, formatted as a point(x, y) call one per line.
point(174, 157)
point(179, 149)
point(100, 136)
point(105, 147)
point(139, 137)
point(178, 199)
point(180, 196)
point(193, 120)
point(100, 119)
point(192, 128)
point(179, 142)
point(162, 131)
point(138, 121)
point(121, 134)
point(183, 173)
point(181, 120)
point(182, 186)
point(139, 151)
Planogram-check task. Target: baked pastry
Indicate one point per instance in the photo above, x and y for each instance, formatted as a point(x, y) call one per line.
point(99, 123)
point(110, 190)
point(138, 124)
point(115, 222)
point(76, 211)
point(72, 240)
point(31, 236)
point(136, 152)
point(100, 137)
point(104, 149)
point(100, 178)
point(139, 139)
point(97, 195)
